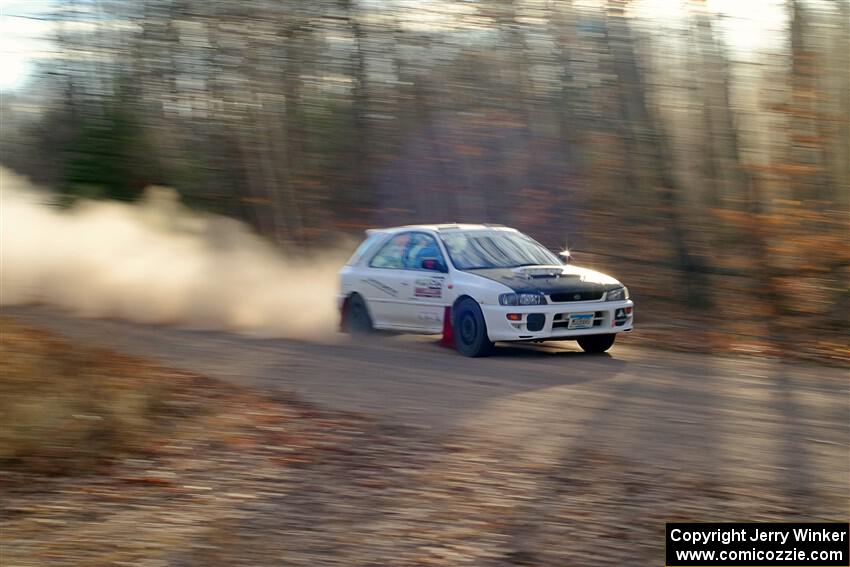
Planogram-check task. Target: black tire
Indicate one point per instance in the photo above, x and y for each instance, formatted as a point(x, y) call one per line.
point(470, 330)
point(596, 343)
point(357, 319)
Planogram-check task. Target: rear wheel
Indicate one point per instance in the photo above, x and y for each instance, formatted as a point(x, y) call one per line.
point(357, 319)
point(470, 330)
point(596, 343)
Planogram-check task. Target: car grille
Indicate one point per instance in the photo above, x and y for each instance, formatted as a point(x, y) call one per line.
point(567, 296)
point(561, 320)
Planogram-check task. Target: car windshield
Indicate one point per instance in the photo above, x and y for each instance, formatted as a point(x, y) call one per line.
point(491, 249)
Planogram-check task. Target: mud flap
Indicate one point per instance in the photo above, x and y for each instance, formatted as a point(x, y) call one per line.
point(343, 312)
point(448, 339)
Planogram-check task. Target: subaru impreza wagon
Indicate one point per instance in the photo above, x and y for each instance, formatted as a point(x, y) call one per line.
point(477, 285)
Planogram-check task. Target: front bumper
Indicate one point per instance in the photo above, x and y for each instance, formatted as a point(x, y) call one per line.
point(499, 328)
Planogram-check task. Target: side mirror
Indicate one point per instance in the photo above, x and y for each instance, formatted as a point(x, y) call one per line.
point(565, 256)
point(432, 264)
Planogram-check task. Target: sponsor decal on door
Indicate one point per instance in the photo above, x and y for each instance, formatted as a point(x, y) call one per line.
point(428, 287)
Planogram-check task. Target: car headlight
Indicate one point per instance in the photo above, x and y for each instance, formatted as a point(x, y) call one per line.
point(617, 294)
point(522, 299)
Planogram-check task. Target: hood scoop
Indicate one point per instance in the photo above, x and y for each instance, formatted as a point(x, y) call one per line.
point(532, 272)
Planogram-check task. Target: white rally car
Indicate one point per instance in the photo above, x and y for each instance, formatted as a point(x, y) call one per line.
point(478, 284)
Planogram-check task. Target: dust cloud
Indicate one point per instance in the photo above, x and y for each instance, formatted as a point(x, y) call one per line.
point(158, 262)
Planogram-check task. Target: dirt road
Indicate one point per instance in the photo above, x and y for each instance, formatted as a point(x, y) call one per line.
point(749, 438)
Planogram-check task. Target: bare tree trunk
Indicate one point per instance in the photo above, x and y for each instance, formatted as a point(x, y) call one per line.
point(748, 187)
point(842, 136)
point(806, 150)
point(707, 82)
point(359, 103)
point(563, 30)
point(254, 181)
point(292, 142)
point(632, 94)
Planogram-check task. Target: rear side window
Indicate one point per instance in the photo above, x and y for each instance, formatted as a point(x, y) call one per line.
point(364, 247)
point(392, 253)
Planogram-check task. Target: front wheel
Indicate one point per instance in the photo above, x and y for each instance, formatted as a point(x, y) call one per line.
point(470, 330)
point(596, 343)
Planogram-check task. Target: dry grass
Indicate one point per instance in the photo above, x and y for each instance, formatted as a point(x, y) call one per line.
point(67, 409)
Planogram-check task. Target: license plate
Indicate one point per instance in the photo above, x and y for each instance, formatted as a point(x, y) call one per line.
point(581, 321)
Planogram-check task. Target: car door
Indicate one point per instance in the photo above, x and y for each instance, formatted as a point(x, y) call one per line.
point(405, 283)
point(428, 285)
point(385, 283)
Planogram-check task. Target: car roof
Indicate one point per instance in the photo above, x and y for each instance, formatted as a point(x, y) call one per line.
point(448, 227)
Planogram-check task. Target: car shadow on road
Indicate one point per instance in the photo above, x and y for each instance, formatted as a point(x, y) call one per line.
point(567, 349)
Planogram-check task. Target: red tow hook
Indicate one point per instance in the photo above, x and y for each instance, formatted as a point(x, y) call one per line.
point(448, 339)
